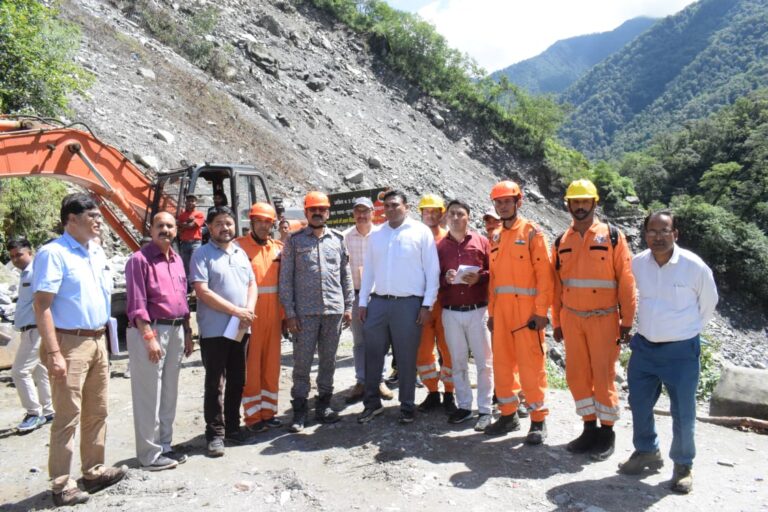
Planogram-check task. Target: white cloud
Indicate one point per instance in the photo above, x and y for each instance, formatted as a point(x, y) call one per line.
point(498, 33)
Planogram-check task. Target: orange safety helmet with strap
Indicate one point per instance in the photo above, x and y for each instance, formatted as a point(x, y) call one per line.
point(263, 211)
point(505, 189)
point(316, 199)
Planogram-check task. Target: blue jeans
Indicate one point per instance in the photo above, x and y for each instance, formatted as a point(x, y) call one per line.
point(187, 249)
point(676, 366)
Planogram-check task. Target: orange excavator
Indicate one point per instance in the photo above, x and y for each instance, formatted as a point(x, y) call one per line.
point(127, 196)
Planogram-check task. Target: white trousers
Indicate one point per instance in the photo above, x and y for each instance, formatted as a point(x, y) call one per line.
point(30, 376)
point(465, 332)
point(154, 388)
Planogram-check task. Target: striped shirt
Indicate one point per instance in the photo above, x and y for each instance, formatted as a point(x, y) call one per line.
point(356, 244)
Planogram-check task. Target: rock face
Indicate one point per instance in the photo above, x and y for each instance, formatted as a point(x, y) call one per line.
point(741, 392)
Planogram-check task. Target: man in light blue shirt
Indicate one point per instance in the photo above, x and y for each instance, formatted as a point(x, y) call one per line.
point(72, 285)
point(29, 374)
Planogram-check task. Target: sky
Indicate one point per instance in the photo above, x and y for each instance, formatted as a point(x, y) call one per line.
point(498, 33)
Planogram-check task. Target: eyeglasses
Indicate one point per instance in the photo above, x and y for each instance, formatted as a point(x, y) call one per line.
point(653, 233)
point(92, 215)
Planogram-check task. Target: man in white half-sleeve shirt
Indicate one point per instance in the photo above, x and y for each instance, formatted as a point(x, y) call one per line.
point(401, 275)
point(677, 297)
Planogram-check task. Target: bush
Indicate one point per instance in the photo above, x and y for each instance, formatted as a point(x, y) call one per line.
point(36, 59)
point(22, 213)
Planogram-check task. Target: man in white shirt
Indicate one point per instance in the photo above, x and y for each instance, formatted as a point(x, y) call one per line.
point(356, 240)
point(677, 297)
point(401, 274)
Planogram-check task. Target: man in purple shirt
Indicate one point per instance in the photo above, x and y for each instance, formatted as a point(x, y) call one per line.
point(159, 336)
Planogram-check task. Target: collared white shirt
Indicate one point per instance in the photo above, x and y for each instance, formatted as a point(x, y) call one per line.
point(401, 262)
point(356, 244)
point(675, 301)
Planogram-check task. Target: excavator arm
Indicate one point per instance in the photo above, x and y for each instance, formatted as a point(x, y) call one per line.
point(29, 147)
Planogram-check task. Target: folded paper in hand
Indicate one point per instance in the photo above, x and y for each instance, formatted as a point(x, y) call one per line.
point(462, 271)
point(233, 330)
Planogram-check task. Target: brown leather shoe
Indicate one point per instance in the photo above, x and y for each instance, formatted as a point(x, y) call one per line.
point(110, 476)
point(356, 394)
point(682, 479)
point(69, 497)
point(385, 393)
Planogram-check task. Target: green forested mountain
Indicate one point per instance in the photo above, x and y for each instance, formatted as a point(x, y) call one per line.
point(567, 60)
point(683, 68)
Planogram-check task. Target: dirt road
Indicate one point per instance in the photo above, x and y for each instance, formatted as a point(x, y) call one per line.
point(429, 465)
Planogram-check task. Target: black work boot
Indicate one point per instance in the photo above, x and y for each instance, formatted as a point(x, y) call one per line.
point(604, 445)
point(449, 404)
point(323, 411)
point(586, 440)
point(537, 433)
point(299, 414)
point(432, 401)
point(503, 425)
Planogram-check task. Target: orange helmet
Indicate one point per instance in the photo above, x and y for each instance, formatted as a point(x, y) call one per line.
point(314, 199)
point(505, 189)
point(263, 211)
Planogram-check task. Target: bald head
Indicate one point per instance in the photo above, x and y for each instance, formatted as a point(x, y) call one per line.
point(163, 230)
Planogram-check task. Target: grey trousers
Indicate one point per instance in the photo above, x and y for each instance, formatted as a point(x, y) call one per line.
point(392, 321)
point(30, 376)
point(154, 388)
point(319, 332)
point(358, 345)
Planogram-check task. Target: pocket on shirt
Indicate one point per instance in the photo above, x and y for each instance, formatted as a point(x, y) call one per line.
point(682, 296)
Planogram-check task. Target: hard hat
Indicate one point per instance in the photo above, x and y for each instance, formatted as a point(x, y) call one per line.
point(315, 199)
point(263, 211)
point(431, 201)
point(582, 189)
point(505, 189)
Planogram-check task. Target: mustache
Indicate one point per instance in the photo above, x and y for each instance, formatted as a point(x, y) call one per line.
point(317, 216)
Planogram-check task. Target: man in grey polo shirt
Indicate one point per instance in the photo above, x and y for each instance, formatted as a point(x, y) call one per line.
point(225, 288)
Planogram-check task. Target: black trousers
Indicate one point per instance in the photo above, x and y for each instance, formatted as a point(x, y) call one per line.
point(224, 363)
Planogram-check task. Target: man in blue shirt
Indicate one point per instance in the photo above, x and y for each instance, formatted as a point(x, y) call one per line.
point(29, 374)
point(72, 285)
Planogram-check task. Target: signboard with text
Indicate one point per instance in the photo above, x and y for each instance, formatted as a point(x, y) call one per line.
point(342, 203)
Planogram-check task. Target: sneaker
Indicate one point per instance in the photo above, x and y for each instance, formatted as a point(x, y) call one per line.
point(459, 416)
point(369, 413)
point(503, 425)
point(240, 437)
point(70, 497)
point(640, 461)
point(522, 410)
point(356, 394)
point(393, 378)
point(273, 422)
point(160, 464)
point(181, 458)
point(258, 427)
point(385, 393)
point(299, 415)
point(483, 422)
point(449, 404)
point(406, 417)
point(604, 445)
point(431, 402)
point(49, 418)
point(216, 447)
point(682, 479)
point(110, 476)
point(30, 422)
point(586, 440)
point(537, 433)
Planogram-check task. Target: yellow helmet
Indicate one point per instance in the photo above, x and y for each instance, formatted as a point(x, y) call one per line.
point(582, 189)
point(432, 201)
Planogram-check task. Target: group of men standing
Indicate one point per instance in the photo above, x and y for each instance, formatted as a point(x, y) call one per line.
point(410, 286)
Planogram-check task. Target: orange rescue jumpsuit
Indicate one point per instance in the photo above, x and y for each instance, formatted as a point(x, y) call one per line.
point(521, 285)
point(262, 366)
point(431, 332)
point(594, 294)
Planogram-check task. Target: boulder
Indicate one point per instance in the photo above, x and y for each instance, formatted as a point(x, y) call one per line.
point(271, 25)
point(374, 163)
point(741, 392)
point(354, 177)
point(316, 84)
point(146, 73)
point(164, 136)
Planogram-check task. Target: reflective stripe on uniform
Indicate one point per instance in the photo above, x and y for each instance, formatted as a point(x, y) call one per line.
point(507, 400)
point(268, 394)
point(535, 406)
point(267, 289)
point(585, 407)
point(427, 376)
point(268, 405)
point(247, 399)
point(592, 312)
point(606, 413)
point(515, 289)
point(253, 410)
point(590, 283)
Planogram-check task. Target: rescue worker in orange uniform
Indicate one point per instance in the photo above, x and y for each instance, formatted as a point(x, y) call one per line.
point(262, 366)
point(520, 293)
point(593, 309)
point(432, 210)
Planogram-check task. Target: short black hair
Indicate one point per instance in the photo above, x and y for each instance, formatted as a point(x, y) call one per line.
point(459, 203)
point(283, 221)
point(76, 204)
point(667, 213)
point(394, 193)
point(191, 196)
point(18, 243)
point(215, 211)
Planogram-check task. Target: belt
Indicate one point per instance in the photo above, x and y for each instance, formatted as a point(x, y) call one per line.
point(593, 312)
point(84, 333)
point(168, 321)
point(27, 327)
point(470, 307)
point(395, 297)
